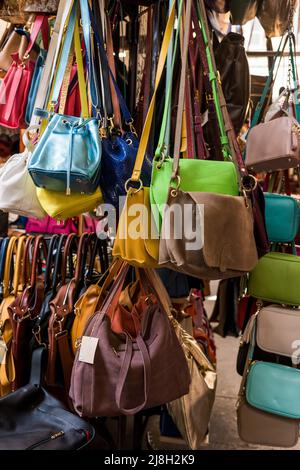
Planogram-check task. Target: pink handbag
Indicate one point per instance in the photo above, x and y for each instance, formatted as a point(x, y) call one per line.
point(49, 225)
point(16, 84)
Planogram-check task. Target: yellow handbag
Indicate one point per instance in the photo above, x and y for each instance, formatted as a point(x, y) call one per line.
point(137, 240)
point(90, 302)
point(61, 207)
point(7, 369)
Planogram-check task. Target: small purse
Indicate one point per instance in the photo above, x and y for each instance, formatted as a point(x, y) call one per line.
point(275, 279)
point(282, 217)
point(274, 388)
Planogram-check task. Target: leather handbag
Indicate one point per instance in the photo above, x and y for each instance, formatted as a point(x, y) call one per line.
point(277, 330)
point(67, 157)
point(17, 191)
point(144, 249)
point(273, 145)
point(32, 419)
point(275, 279)
point(5, 30)
point(59, 206)
point(17, 81)
point(26, 307)
point(275, 16)
point(226, 221)
point(274, 388)
point(243, 10)
point(266, 429)
point(10, 45)
point(129, 374)
point(191, 413)
point(12, 247)
point(282, 217)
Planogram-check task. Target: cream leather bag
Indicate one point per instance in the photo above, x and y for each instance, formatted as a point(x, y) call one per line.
point(17, 190)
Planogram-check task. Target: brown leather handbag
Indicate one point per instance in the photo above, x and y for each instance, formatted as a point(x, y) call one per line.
point(129, 374)
point(26, 306)
point(60, 353)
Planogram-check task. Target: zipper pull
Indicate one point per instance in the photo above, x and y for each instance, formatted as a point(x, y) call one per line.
point(57, 434)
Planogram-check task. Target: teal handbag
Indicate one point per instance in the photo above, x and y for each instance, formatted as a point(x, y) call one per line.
point(282, 217)
point(67, 157)
point(274, 388)
point(276, 279)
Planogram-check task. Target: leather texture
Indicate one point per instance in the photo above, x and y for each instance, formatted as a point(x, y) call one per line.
point(243, 11)
point(274, 16)
point(195, 175)
point(273, 145)
point(61, 207)
point(282, 217)
point(41, 6)
point(32, 419)
point(274, 388)
point(10, 47)
point(144, 250)
point(229, 248)
point(261, 428)
point(36, 78)
point(67, 156)
point(17, 191)
point(132, 374)
point(277, 330)
point(275, 279)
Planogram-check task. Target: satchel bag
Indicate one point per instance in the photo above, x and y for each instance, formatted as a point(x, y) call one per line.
point(17, 191)
point(275, 279)
point(243, 10)
point(67, 156)
point(142, 249)
point(128, 374)
point(31, 419)
point(16, 83)
point(282, 217)
point(191, 413)
point(274, 388)
point(273, 145)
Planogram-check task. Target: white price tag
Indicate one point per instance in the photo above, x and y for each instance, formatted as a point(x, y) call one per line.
point(88, 349)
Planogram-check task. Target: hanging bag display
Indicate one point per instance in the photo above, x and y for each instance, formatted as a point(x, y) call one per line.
point(16, 83)
point(67, 156)
point(211, 256)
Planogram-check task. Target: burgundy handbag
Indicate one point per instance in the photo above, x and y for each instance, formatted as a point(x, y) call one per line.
point(49, 225)
point(128, 375)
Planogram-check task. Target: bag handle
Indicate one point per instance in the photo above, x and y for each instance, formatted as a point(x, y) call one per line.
point(3, 250)
point(148, 123)
point(124, 374)
point(17, 279)
point(52, 253)
point(40, 247)
point(9, 258)
point(57, 272)
point(37, 26)
point(70, 245)
point(292, 47)
point(36, 371)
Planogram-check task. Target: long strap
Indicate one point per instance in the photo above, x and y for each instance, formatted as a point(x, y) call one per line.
point(186, 38)
point(160, 67)
point(47, 75)
point(292, 45)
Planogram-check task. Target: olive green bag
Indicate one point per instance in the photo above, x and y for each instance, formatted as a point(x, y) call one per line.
point(276, 279)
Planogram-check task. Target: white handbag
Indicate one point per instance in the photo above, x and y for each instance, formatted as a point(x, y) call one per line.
point(17, 190)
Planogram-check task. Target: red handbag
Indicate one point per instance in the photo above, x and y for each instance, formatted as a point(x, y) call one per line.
point(15, 87)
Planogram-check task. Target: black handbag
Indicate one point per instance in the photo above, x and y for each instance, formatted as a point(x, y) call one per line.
point(31, 419)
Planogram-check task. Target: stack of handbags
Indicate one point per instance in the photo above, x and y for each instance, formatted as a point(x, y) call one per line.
point(268, 408)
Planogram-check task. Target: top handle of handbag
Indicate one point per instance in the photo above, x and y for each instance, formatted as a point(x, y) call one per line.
point(9, 263)
point(52, 253)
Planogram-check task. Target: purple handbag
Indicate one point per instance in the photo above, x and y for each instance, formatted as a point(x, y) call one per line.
point(129, 375)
